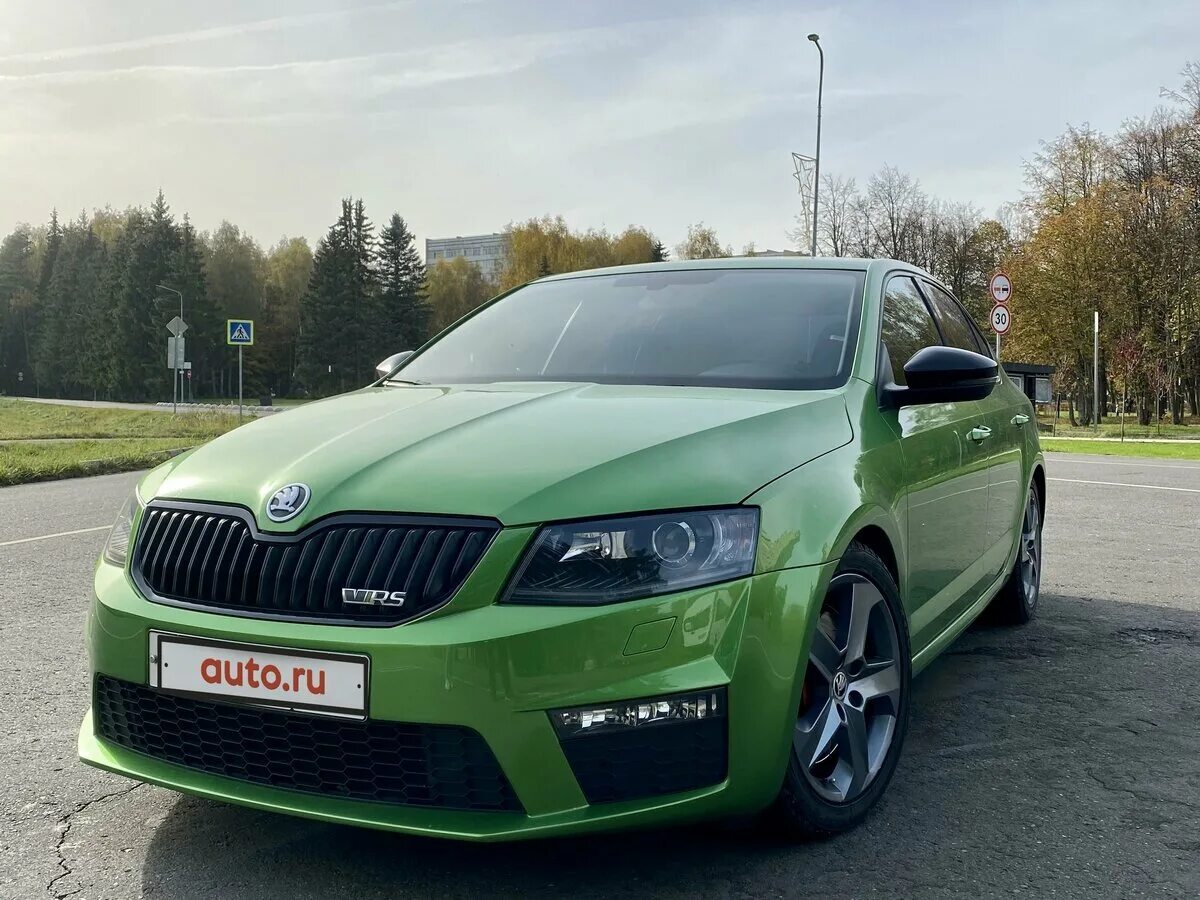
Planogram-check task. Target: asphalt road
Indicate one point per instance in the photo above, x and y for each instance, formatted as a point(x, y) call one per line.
point(1060, 759)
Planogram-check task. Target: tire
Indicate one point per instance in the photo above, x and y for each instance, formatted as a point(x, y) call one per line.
point(1017, 602)
point(828, 787)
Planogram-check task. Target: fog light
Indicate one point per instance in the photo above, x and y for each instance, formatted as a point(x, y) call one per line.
point(624, 715)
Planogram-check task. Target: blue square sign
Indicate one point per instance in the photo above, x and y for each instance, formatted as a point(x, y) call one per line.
point(239, 332)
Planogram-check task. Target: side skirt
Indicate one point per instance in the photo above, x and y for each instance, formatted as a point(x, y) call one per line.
point(959, 625)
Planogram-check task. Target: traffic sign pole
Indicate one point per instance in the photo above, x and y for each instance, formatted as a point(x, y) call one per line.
point(1000, 288)
point(239, 333)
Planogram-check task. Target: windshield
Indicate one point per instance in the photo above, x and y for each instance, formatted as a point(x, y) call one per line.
point(764, 328)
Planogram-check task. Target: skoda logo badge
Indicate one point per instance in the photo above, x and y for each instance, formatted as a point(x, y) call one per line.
point(840, 683)
point(287, 502)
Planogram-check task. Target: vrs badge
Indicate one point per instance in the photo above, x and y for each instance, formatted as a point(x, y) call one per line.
point(288, 501)
point(359, 597)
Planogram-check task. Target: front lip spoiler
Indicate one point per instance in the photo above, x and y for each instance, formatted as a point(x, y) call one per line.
point(484, 827)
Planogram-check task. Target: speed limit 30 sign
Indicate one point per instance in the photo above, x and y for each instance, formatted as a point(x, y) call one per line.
point(1001, 319)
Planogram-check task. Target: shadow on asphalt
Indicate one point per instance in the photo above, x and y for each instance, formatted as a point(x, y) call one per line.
point(1057, 756)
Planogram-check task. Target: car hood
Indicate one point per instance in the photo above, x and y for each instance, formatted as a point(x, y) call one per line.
point(519, 453)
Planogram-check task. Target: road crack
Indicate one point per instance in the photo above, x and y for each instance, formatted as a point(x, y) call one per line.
point(64, 828)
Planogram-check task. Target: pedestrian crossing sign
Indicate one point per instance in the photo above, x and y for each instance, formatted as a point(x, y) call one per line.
point(239, 332)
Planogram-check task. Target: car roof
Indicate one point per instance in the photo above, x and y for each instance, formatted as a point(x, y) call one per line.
point(845, 263)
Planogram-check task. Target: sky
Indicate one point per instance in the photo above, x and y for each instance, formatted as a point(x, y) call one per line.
point(465, 115)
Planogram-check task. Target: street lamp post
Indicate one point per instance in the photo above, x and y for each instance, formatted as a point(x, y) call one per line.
point(175, 368)
point(816, 39)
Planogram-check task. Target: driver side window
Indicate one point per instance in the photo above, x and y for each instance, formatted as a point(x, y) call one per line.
point(907, 324)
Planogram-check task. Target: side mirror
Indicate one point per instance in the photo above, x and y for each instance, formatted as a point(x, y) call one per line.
point(389, 365)
point(944, 375)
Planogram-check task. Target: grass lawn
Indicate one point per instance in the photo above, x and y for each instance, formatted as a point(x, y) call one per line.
point(22, 419)
point(1110, 426)
point(1111, 448)
point(41, 461)
point(50, 441)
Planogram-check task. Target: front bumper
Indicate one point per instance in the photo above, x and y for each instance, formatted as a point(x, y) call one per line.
point(497, 670)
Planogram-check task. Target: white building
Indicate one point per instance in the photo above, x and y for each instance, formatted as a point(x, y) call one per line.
point(485, 250)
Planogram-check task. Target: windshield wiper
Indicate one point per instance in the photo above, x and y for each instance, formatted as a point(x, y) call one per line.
point(403, 381)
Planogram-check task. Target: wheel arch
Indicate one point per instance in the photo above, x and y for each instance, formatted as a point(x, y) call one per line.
point(876, 539)
point(1039, 485)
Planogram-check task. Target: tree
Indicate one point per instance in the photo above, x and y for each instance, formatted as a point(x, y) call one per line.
point(69, 348)
point(701, 243)
point(540, 247)
point(133, 365)
point(336, 321)
point(18, 311)
point(455, 287)
point(236, 271)
point(401, 275)
point(658, 252)
point(838, 219)
point(288, 268)
point(892, 211)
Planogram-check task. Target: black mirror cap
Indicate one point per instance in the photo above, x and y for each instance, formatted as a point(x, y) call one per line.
point(944, 375)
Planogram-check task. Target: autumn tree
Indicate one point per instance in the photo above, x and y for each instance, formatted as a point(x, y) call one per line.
point(546, 246)
point(454, 288)
point(701, 243)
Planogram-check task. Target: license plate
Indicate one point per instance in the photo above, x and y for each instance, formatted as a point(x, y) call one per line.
point(329, 683)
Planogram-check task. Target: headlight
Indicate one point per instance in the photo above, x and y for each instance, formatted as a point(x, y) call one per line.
point(116, 551)
point(588, 563)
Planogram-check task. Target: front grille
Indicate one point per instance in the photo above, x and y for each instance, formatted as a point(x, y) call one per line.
point(443, 766)
point(213, 556)
point(646, 761)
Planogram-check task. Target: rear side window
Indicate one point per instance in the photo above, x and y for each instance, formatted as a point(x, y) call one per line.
point(956, 327)
point(907, 325)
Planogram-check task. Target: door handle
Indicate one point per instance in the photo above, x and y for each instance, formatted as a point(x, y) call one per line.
point(1020, 419)
point(979, 433)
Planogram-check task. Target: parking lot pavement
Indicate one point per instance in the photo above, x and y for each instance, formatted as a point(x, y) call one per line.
point(1055, 759)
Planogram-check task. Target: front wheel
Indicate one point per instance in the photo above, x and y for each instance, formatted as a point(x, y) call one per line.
point(853, 711)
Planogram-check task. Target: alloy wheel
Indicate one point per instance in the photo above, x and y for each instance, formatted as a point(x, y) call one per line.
point(1031, 551)
point(850, 701)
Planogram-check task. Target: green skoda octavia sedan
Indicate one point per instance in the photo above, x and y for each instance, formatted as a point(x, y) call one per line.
point(625, 547)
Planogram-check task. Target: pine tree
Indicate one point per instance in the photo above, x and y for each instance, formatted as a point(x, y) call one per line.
point(544, 267)
point(658, 252)
point(403, 313)
point(66, 346)
point(205, 336)
point(138, 312)
point(18, 301)
point(335, 313)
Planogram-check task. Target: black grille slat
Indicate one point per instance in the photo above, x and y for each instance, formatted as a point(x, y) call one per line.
point(202, 555)
point(235, 563)
point(442, 766)
point(222, 526)
point(435, 582)
point(187, 530)
point(214, 595)
point(398, 573)
point(387, 551)
point(168, 537)
point(423, 563)
point(250, 571)
point(193, 570)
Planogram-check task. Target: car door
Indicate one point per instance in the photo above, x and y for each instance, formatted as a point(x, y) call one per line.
point(946, 474)
point(998, 434)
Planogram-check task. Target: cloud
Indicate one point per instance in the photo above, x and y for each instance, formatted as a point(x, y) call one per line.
point(195, 36)
point(444, 62)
